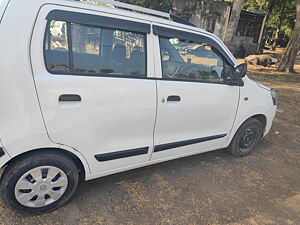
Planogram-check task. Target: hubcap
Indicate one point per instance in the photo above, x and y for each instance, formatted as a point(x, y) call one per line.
point(41, 186)
point(248, 138)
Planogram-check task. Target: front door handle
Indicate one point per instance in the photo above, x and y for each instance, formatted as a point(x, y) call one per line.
point(69, 98)
point(174, 98)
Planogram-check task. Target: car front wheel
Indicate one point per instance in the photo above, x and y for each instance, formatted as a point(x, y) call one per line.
point(246, 138)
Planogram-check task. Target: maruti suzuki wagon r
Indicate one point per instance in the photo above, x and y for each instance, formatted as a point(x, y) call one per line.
point(102, 88)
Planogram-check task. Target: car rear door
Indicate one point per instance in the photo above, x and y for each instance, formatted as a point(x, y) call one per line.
point(196, 108)
point(91, 73)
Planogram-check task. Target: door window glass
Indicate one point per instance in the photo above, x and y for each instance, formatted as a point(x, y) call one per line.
point(56, 47)
point(86, 48)
point(97, 51)
point(190, 60)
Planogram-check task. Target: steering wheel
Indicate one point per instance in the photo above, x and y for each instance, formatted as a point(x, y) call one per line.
point(214, 73)
point(193, 71)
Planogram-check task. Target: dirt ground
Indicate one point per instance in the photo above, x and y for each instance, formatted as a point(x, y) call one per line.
point(210, 188)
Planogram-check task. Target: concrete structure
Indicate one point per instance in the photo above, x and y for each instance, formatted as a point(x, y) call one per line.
point(249, 33)
point(209, 15)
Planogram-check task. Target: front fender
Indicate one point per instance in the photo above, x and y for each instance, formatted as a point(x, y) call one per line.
point(254, 100)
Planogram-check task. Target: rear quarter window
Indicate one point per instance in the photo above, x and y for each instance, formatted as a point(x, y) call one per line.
point(56, 47)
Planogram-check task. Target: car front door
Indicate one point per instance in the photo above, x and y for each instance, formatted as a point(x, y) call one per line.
point(92, 85)
point(196, 106)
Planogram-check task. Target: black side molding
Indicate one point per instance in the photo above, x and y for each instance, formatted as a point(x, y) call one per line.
point(1, 152)
point(121, 154)
point(163, 147)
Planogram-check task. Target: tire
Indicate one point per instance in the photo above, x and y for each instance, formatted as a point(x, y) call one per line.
point(246, 138)
point(52, 181)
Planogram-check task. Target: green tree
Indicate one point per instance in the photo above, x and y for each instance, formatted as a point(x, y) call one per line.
point(280, 15)
point(283, 19)
point(258, 4)
point(279, 24)
point(288, 60)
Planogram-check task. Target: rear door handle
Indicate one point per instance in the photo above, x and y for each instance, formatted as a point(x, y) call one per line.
point(69, 98)
point(174, 98)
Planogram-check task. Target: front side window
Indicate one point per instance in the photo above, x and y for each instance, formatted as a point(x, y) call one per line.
point(92, 50)
point(189, 60)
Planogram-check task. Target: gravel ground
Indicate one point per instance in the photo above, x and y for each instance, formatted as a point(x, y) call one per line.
point(210, 188)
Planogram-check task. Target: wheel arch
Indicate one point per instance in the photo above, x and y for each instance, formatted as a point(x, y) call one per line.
point(79, 164)
point(261, 118)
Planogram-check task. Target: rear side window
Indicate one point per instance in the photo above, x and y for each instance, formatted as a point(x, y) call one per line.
point(72, 48)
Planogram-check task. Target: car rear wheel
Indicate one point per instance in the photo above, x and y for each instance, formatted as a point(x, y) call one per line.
point(246, 138)
point(39, 183)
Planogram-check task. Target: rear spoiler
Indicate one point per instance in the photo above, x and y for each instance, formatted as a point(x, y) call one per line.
point(3, 7)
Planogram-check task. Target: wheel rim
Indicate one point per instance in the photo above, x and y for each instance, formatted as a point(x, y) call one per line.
point(41, 186)
point(247, 139)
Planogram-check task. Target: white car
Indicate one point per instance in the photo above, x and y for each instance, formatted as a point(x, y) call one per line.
point(118, 89)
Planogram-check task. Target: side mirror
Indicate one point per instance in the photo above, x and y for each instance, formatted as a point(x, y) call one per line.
point(240, 71)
